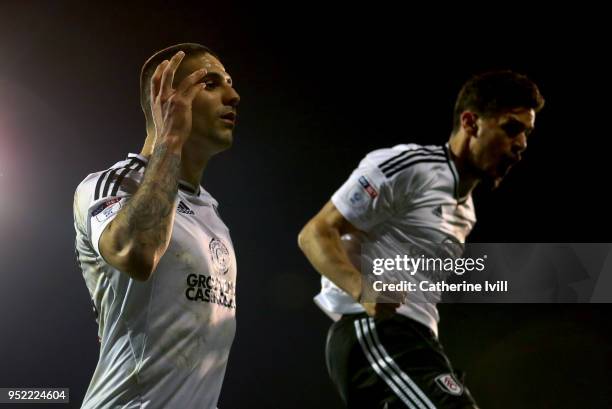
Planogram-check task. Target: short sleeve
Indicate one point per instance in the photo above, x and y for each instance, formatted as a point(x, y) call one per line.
point(100, 197)
point(371, 196)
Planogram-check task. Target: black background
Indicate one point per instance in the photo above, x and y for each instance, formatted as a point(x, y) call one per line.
point(320, 87)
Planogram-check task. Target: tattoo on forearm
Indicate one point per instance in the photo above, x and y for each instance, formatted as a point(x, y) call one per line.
point(147, 214)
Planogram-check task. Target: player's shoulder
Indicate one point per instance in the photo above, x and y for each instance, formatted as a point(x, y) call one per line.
point(406, 159)
point(107, 182)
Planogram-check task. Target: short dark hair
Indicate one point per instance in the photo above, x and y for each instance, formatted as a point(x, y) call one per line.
point(494, 92)
point(151, 64)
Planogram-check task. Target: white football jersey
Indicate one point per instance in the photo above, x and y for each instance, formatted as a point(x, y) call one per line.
point(164, 343)
point(405, 194)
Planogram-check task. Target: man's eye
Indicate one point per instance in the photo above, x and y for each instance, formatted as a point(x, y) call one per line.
point(513, 129)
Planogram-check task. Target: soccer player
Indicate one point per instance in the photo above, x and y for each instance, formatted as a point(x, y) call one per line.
point(157, 259)
point(386, 355)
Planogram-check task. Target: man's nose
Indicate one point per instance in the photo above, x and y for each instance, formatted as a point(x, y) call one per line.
point(520, 143)
point(231, 98)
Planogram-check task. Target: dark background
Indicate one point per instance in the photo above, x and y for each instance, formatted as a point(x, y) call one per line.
point(320, 88)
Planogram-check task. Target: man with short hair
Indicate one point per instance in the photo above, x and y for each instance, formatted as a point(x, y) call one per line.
point(157, 259)
point(387, 355)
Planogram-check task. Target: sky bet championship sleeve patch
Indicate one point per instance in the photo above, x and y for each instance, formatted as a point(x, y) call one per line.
point(365, 183)
point(107, 209)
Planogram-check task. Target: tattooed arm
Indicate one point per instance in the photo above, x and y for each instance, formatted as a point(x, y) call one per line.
point(139, 235)
point(137, 238)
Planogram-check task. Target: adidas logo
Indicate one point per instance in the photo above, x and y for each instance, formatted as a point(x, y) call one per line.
point(437, 211)
point(182, 208)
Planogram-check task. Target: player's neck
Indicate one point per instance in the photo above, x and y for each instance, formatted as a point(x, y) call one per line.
point(459, 152)
point(193, 161)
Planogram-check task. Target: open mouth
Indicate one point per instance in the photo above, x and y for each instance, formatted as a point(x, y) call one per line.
point(513, 161)
point(506, 165)
point(230, 117)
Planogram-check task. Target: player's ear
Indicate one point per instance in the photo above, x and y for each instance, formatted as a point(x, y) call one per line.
point(469, 123)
